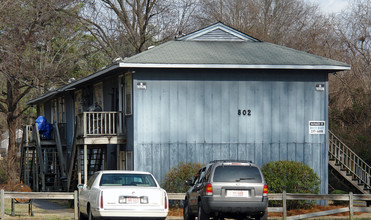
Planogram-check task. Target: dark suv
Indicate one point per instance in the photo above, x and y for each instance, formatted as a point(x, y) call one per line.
point(227, 188)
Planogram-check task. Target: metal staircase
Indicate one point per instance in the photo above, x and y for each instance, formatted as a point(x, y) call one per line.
point(349, 165)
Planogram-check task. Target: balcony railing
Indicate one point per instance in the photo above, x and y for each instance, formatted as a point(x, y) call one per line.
point(99, 123)
point(28, 135)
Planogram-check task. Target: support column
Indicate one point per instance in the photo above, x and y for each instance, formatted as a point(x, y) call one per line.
point(78, 164)
point(118, 158)
point(85, 163)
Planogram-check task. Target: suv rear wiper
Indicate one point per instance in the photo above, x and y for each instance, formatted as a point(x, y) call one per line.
point(248, 178)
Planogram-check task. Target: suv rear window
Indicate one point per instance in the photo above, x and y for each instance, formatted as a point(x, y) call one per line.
point(237, 174)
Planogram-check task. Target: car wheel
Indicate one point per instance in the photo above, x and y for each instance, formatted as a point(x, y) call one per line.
point(263, 216)
point(201, 213)
point(187, 213)
point(82, 216)
point(90, 214)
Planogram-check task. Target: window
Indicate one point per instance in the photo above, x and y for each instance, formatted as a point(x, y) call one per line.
point(61, 109)
point(98, 94)
point(117, 179)
point(128, 94)
point(54, 110)
point(41, 109)
point(78, 102)
point(237, 173)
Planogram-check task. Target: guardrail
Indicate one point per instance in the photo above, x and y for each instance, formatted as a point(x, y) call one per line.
point(180, 196)
point(39, 195)
point(298, 196)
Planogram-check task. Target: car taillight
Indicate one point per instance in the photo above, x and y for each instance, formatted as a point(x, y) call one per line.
point(101, 200)
point(209, 189)
point(165, 202)
point(265, 190)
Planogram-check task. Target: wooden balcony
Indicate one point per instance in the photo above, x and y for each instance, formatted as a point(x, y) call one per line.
point(99, 128)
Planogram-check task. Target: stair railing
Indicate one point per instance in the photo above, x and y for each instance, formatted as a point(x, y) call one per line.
point(343, 155)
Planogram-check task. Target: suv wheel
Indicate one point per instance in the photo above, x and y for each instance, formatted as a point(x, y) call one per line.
point(263, 216)
point(187, 213)
point(201, 213)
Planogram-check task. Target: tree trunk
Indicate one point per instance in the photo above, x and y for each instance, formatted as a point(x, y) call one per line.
point(13, 170)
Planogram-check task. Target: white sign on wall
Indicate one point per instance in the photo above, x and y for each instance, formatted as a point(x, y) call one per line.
point(317, 127)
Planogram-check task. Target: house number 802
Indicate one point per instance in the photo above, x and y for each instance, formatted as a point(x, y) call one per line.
point(244, 112)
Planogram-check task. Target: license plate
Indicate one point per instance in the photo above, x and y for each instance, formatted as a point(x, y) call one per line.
point(237, 193)
point(132, 200)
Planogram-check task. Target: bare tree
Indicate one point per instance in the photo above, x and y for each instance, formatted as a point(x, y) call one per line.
point(38, 49)
point(125, 27)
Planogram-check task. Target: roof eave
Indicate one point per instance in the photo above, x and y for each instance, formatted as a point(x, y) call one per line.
point(72, 85)
point(235, 66)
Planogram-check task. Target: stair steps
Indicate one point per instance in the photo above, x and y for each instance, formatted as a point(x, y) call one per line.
point(349, 165)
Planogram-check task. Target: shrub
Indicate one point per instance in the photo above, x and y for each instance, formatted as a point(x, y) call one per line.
point(337, 202)
point(174, 180)
point(292, 177)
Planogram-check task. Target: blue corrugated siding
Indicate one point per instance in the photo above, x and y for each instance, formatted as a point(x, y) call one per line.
point(191, 116)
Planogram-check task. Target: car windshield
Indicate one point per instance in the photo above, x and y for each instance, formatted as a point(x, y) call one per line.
point(118, 179)
point(237, 174)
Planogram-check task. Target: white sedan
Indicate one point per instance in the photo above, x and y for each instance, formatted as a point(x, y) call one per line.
point(123, 194)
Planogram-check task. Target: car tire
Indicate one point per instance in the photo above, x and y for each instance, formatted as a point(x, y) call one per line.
point(90, 214)
point(202, 215)
point(187, 213)
point(263, 216)
point(82, 216)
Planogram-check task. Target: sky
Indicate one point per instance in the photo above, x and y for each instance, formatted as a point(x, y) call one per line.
point(331, 6)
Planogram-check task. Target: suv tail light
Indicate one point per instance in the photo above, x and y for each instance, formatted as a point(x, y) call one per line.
point(265, 190)
point(209, 189)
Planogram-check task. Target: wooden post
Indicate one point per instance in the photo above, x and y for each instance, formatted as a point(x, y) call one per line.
point(76, 209)
point(78, 165)
point(118, 157)
point(351, 210)
point(85, 164)
point(2, 204)
point(284, 205)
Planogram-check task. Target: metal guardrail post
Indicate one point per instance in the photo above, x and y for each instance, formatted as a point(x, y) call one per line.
point(2, 204)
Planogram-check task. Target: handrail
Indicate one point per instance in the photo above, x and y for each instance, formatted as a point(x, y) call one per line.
point(349, 160)
point(99, 123)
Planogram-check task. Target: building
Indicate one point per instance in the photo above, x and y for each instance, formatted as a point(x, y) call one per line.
point(216, 93)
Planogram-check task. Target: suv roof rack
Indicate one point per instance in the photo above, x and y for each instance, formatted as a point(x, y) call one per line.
point(222, 161)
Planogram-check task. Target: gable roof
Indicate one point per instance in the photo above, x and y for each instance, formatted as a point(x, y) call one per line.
point(220, 46)
point(218, 32)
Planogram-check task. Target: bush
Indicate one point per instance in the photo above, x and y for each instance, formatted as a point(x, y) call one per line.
point(292, 177)
point(337, 202)
point(174, 180)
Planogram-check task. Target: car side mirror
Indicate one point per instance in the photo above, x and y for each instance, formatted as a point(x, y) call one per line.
point(189, 182)
point(81, 186)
